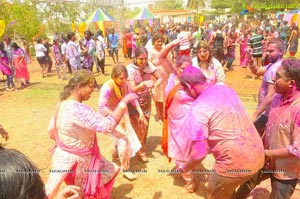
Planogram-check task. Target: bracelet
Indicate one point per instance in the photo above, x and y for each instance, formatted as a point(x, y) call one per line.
point(122, 104)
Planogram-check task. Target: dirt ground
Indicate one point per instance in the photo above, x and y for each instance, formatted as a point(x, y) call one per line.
point(25, 115)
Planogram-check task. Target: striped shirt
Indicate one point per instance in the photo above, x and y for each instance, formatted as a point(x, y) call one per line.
point(256, 45)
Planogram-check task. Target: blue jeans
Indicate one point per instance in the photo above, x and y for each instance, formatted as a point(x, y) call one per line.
point(9, 81)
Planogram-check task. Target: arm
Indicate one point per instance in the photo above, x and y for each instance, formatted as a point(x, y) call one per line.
point(136, 87)
point(198, 151)
point(138, 108)
point(265, 103)
point(162, 57)
point(103, 99)
point(88, 118)
point(254, 69)
point(278, 153)
point(69, 192)
point(159, 79)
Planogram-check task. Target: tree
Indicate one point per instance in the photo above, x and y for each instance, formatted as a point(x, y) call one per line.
point(258, 5)
point(169, 5)
point(27, 24)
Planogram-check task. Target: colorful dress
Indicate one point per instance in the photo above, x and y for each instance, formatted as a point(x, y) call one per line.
point(243, 46)
point(177, 115)
point(76, 159)
point(88, 59)
point(59, 60)
point(139, 75)
point(19, 62)
point(110, 96)
point(6, 70)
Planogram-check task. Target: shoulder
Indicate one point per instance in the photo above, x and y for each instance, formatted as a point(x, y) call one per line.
point(195, 61)
point(216, 63)
point(131, 68)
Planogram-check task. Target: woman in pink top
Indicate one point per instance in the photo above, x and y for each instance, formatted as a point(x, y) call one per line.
point(243, 41)
point(139, 79)
point(19, 62)
point(76, 159)
point(176, 138)
point(127, 143)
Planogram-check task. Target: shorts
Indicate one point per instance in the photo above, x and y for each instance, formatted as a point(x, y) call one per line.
point(113, 50)
point(42, 60)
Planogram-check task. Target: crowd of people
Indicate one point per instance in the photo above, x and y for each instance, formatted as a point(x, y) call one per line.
point(181, 68)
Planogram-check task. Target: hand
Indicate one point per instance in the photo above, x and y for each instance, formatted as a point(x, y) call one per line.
point(153, 92)
point(268, 155)
point(143, 119)
point(69, 192)
point(4, 133)
point(148, 83)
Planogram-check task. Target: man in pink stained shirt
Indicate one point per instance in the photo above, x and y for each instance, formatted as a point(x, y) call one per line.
point(224, 127)
point(282, 135)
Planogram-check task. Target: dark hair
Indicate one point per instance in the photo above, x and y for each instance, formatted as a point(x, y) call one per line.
point(140, 50)
point(38, 40)
point(192, 75)
point(1, 45)
point(181, 59)
point(19, 176)
point(156, 37)
point(80, 78)
point(70, 35)
point(100, 32)
point(291, 69)
point(88, 32)
point(118, 70)
point(14, 45)
point(279, 43)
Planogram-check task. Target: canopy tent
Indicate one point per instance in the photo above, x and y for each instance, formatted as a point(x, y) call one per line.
point(99, 18)
point(99, 15)
point(293, 17)
point(144, 18)
point(144, 14)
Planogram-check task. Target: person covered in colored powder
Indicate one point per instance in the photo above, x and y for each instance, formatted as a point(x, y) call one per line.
point(127, 143)
point(282, 139)
point(224, 127)
point(76, 158)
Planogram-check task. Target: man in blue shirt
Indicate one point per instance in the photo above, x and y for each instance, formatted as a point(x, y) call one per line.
point(113, 40)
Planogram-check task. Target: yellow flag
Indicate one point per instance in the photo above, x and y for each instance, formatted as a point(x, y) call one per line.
point(81, 28)
point(294, 19)
point(73, 26)
point(2, 27)
point(100, 25)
